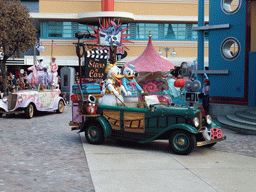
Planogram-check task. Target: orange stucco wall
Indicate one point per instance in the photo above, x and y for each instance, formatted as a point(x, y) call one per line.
point(160, 9)
point(178, 9)
point(53, 6)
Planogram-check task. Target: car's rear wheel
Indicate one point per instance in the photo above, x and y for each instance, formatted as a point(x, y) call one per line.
point(29, 111)
point(60, 107)
point(182, 142)
point(1, 114)
point(94, 133)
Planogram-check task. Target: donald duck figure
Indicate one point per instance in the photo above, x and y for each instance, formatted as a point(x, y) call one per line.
point(113, 87)
point(129, 82)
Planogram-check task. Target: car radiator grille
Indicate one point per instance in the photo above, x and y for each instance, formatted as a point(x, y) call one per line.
point(12, 99)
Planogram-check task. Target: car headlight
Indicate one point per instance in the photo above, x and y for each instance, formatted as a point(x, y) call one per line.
point(20, 99)
point(196, 121)
point(5, 99)
point(208, 119)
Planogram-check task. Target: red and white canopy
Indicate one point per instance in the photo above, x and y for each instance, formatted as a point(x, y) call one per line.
point(151, 61)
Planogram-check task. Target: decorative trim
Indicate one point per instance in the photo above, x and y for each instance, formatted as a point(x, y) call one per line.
point(142, 1)
point(140, 43)
point(124, 17)
point(212, 72)
point(173, 44)
point(211, 27)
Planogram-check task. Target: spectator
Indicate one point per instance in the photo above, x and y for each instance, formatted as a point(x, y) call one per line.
point(20, 82)
point(13, 82)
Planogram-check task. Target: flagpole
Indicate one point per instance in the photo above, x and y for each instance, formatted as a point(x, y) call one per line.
point(51, 49)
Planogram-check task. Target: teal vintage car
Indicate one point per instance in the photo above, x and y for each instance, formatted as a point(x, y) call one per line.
point(185, 128)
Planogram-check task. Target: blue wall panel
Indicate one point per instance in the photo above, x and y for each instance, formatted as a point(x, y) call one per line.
point(231, 85)
point(252, 79)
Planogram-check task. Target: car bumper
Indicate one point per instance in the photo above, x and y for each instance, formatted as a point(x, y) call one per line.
point(202, 143)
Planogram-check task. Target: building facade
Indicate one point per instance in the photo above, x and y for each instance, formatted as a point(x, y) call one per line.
point(170, 23)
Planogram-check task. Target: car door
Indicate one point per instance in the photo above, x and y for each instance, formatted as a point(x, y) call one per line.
point(46, 99)
point(133, 120)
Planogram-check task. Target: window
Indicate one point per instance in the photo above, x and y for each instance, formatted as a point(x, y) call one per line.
point(83, 27)
point(67, 29)
point(230, 6)
point(230, 48)
point(142, 30)
point(54, 29)
point(127, 32)
point(138, 31)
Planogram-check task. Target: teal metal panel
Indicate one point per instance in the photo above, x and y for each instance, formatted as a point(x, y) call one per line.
point(233, 84)
point(252, 79)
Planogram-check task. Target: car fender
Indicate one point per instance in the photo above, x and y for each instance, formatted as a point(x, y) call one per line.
point(182, 126)
point(215, 124)
point(26, 103)
point(102, 121)
point(179, 126)
point(4, 105)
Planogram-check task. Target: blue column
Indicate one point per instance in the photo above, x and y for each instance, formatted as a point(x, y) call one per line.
point(200, 46)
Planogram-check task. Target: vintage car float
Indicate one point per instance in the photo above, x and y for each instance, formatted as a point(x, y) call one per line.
point(32, 100)
point(184, 127)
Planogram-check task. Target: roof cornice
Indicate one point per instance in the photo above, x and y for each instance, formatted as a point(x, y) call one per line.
point(124, 17)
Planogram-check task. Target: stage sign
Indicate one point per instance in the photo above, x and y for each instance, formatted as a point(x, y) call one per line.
point(95, 65)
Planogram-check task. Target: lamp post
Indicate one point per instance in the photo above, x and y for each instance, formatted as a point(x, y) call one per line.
point(40, 48)
point(173, 54)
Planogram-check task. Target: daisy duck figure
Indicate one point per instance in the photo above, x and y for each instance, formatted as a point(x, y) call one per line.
point(113, 87)
point(129, 82)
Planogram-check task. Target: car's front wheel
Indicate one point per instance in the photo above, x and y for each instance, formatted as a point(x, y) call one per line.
point(29, 111)
point(60, 107)
point(94, 133)
point(182, 142)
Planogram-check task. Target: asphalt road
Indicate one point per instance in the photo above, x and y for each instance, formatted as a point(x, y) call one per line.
point(43, 154)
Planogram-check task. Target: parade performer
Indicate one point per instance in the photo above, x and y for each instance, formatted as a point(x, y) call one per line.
point(129, 82)
point(32, 78)
point(113, 87)
point(43, 70)
point(173, 91)
point(54, 72)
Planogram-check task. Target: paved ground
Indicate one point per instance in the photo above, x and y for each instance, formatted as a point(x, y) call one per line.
point(42, 154)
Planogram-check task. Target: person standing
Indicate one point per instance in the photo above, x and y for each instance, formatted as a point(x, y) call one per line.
point(206, 98)
point(54, 71)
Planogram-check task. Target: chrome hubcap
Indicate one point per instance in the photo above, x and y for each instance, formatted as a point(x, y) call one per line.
point(181, 142)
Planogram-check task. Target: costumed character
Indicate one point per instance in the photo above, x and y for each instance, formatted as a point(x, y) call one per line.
point(54, 72)
point(33, 76)
point(113, 87)
point(129, 82)
point(173, 91)
point(43, 70)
